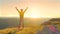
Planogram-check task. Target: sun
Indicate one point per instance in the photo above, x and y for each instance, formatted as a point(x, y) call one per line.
point(34, 15)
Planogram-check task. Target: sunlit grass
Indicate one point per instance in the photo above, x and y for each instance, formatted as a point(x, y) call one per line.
point(26, 30)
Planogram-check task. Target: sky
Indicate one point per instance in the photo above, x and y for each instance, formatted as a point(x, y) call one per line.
point(36, 8)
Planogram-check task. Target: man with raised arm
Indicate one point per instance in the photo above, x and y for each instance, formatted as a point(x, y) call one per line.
point(21, 14)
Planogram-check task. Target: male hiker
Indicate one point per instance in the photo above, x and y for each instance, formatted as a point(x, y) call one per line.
point(21, 14)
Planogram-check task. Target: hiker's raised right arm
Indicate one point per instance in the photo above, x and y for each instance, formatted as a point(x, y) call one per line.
point(17, 9)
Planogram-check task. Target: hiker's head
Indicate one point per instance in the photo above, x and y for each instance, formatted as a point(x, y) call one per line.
point(21, 9)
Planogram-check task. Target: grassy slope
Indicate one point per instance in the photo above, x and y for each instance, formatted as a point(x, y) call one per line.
point(26, 30)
